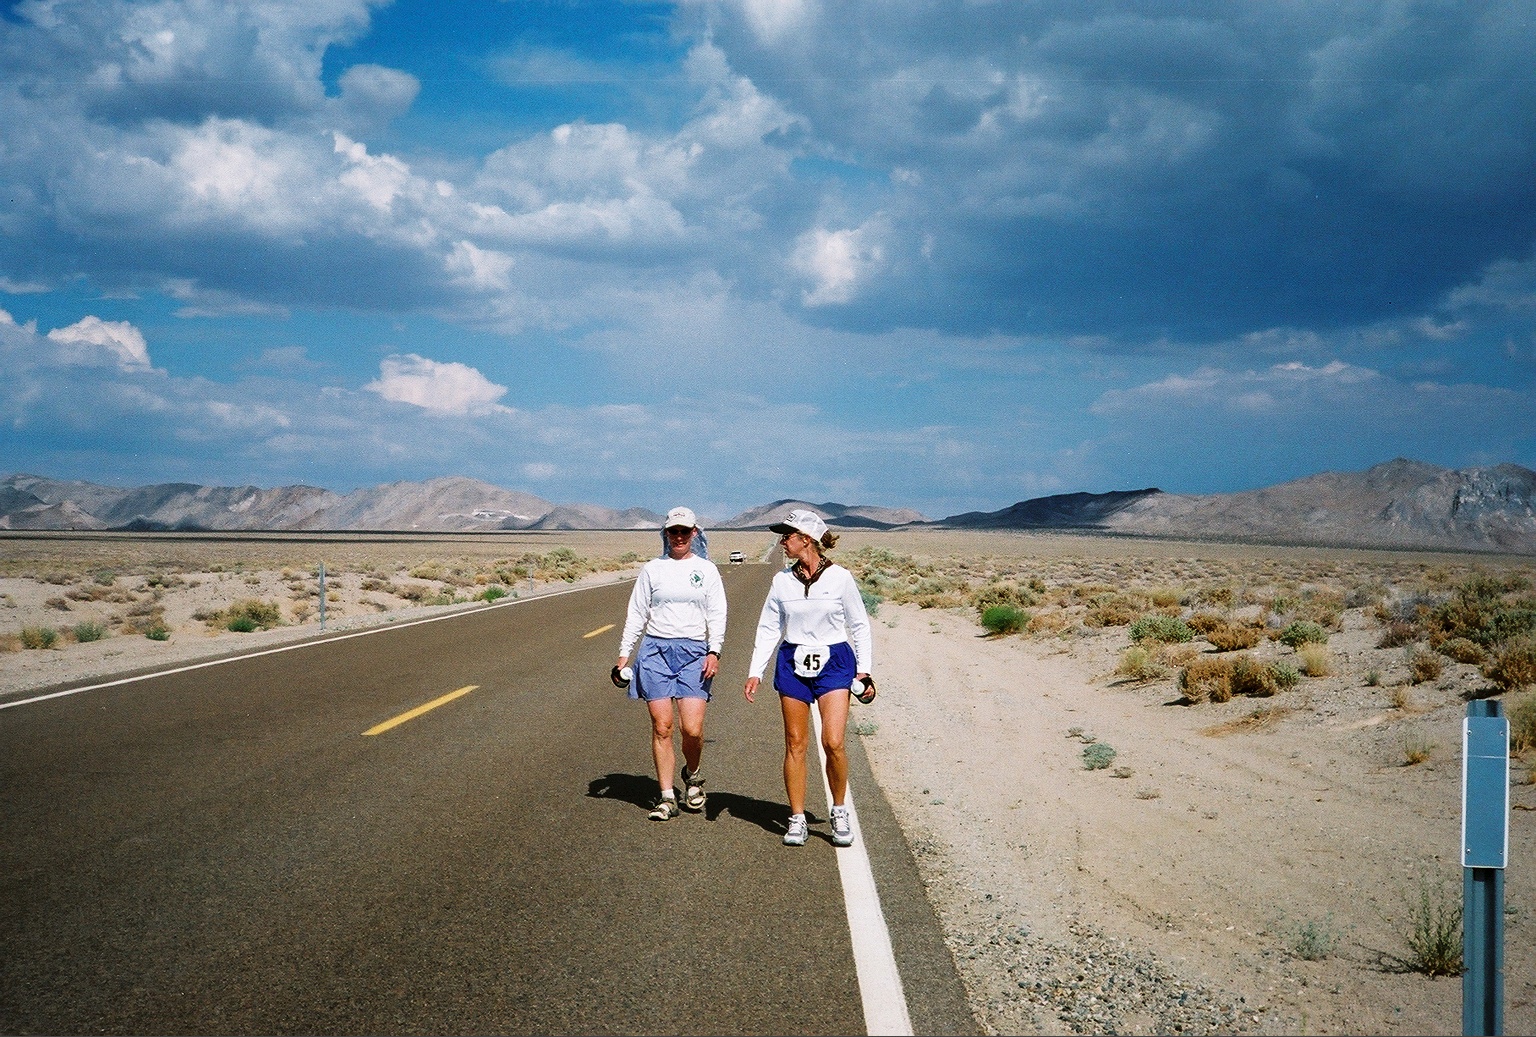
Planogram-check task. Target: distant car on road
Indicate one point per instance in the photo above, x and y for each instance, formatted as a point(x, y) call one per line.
point(737, 558)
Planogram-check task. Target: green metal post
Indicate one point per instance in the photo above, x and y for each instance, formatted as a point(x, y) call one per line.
point(1485, 848)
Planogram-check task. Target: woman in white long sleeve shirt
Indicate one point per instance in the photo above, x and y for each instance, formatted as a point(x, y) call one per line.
point(816, 615)
point(678, 604)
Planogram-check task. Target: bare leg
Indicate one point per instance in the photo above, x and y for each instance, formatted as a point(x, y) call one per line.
point(797, 738)
point(834, 729)
point(661, 741)
point(692, 713)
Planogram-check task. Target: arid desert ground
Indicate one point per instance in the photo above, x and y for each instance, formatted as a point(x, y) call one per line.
point(1169, 787)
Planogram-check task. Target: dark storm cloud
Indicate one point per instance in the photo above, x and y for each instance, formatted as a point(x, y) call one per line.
point(1185, 170)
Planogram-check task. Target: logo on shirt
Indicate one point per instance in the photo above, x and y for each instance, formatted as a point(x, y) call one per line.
point(696, 578)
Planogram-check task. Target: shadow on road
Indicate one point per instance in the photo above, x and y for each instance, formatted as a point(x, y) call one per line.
point(629, 788)
point(640, 790)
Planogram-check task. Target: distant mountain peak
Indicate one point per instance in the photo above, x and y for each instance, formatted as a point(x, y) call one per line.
point(1399, 504)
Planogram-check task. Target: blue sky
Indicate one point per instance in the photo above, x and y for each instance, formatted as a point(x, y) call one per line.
point(945, 256)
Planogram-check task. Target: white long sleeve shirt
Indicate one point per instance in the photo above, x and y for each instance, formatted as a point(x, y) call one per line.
point(676, 597)
point(827, 611)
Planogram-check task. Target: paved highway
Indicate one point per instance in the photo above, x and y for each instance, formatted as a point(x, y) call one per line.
point(226, 849)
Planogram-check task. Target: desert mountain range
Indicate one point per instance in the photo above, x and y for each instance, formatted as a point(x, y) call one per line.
point(1399, 504)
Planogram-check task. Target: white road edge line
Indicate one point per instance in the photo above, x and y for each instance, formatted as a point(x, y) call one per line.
point(381, 628)
point(885, 1002)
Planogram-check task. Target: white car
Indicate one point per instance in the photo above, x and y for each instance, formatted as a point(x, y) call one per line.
point(737, 558)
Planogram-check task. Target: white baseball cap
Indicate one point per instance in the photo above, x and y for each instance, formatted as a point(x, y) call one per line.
point(801, 521)
point(680, 517)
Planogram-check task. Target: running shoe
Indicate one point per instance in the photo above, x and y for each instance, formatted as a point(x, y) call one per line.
point(693, 790)
point(796, 834)
point(665, 809)
point(842, 827)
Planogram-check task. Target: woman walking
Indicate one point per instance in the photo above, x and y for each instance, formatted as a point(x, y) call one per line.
point(814, 608)
point(678, 604)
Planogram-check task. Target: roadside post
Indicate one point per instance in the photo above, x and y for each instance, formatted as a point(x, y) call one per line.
point(1484, 853)
point(322, 597)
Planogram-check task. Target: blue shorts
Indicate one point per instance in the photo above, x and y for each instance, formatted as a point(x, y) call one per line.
point(670, 668)
point(837, 674)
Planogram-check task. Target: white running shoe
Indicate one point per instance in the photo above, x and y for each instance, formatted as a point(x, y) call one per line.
point(796, 834)
point(842, 827)
point(665, 809)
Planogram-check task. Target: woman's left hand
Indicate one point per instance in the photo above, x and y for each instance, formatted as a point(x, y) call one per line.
point(711, 666)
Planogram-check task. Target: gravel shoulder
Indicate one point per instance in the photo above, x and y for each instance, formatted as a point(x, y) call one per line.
point(1185, 889)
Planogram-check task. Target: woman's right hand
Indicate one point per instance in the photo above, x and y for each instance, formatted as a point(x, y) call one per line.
point(751, 689)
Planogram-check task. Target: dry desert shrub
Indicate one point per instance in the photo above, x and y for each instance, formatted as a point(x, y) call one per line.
point(1435, 934)
point(39, 637)
point(1253, 678)
point(993, 593)
point(1316, 660)
point(1139, 664)
point(1365, 595)
point(1231, 637)
point(88, 592)
point(1462, 650)
point(1207, 680)
point(1323, 606)
point(1222, 596)
point(1416, 749)
point(1111, 610)
point(1048, 623)
point(1424, 666)
point(1397, 634)
point(1485, 609)
point(1522, 724)
point(1178, 656)
point(243, 616)
point(1090, 590)
point(1205, 622)
point(1513, 666)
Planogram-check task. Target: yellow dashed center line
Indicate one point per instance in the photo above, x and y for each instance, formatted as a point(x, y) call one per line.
point(599, 630)
point(412, 714)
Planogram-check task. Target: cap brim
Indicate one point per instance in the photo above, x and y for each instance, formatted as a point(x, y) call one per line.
point(783, 527)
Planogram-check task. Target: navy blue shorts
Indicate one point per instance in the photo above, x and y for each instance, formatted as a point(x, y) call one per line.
point(670, 668)
point(838, 673)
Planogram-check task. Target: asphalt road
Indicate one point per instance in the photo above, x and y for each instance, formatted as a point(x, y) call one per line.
point(225, 850)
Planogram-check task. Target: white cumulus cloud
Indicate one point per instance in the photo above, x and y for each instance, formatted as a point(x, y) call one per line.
point(116, 336)
point(837, 262)
point(445, 388)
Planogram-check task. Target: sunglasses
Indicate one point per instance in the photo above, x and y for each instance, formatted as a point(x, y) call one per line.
point(785, 538)
point(679, 531)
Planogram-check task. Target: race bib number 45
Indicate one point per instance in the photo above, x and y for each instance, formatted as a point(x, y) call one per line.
point(811, 659)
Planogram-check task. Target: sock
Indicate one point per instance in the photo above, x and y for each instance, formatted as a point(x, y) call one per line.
point(668, 793)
